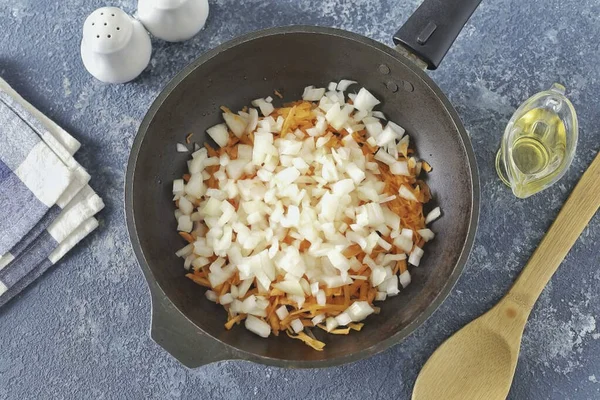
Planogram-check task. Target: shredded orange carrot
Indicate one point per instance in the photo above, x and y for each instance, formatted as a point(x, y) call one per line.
point(187, 237)
point(200, 281)
point(235, 320)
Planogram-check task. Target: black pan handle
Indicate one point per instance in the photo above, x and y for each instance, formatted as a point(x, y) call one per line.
point(173, 332)
point(430, 31)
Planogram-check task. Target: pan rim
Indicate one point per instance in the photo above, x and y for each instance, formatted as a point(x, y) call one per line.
point(379, 347)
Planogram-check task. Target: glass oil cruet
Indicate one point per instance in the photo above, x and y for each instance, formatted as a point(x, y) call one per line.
point(539, 142)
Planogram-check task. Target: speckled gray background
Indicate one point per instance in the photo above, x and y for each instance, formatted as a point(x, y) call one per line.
point(82, 330)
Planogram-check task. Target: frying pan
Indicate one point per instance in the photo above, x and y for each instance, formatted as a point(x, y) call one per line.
point(288, 59)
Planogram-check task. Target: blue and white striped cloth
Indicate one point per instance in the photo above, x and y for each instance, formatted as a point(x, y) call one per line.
point(46, 204)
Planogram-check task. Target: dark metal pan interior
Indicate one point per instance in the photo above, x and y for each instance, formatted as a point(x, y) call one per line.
point(288, 59)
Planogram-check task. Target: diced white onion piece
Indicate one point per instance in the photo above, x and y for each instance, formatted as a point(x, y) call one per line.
point(378, 114)
point(380, 296)
point(405, 193)
point(331, 86)
point(399, 168)
point(212, 296)
point(365, 101)
point(318, 319)
point(331, 323)
point(343, 319)
point(397, 128)
point(236, 123)
point(265, 107)
point(186, 206)
point(313, 94)
point(377, 275)
point(178, 186)
point(404, 278)
point(321, 298)
point(388, 135)
point(185, 224)
point(391, 286)
point(433, 215)
point(185, 251)
point(252, 122)
point(227, 298)
point(297, 325)
point(314, 288)
point(290, 287)
point(344, 84)
point(415, 256)
point(384, 245)
point(374, 128)
point(426, 234)
point(269, 99)
point(282, 312)
point(244, 286)
point(385, 158)
point(258, 326)
point(219, 134)
point(181, 148)
point(359, 310)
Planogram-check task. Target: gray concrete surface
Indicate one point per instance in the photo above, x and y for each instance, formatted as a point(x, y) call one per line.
point(81, 332)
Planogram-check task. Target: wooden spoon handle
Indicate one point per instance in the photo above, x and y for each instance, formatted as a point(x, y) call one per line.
point(580, 207)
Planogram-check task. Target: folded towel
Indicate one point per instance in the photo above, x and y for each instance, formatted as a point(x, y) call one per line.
point(40, 235)
point(75, 237)
point(32, 178)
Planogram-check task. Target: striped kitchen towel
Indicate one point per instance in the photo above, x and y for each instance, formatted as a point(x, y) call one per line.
point(47, 204)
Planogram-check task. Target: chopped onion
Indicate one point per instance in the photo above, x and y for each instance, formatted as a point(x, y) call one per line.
point(365, 101)
point(219, 134)
point(265, 107)
point(426, 234)
point(404, 278)
point(185, 224)
point(386, 136)
point(313, 94)
point(344, 84)
point(227, 298)
point(178, 186)
point(321, 298)
point(235, 123)
point(405, 193)
point(433, 215)
point(415, 256)
point(331, 323)
point(359, 310)
point(181, 148)
point(212, 296)
point(290, 287)
point(343, 319)
point(258, 326)
point(318, 319)
point(297, 325)
point(378, 114)
point(185, 251)
point(400, 168)
point(252, 123)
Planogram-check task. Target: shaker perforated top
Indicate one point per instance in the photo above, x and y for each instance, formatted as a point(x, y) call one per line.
point(115, 47)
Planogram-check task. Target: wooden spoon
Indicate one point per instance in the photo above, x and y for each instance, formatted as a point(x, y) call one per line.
point(478, 362)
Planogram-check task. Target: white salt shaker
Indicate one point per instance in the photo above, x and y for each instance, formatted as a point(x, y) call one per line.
point(173, 20)
point(115, 47)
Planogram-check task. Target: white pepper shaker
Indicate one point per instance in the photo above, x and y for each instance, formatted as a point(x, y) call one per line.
point(173, 20)
point(115, 47)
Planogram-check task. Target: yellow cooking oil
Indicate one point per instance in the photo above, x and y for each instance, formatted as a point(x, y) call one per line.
point(539, 143)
